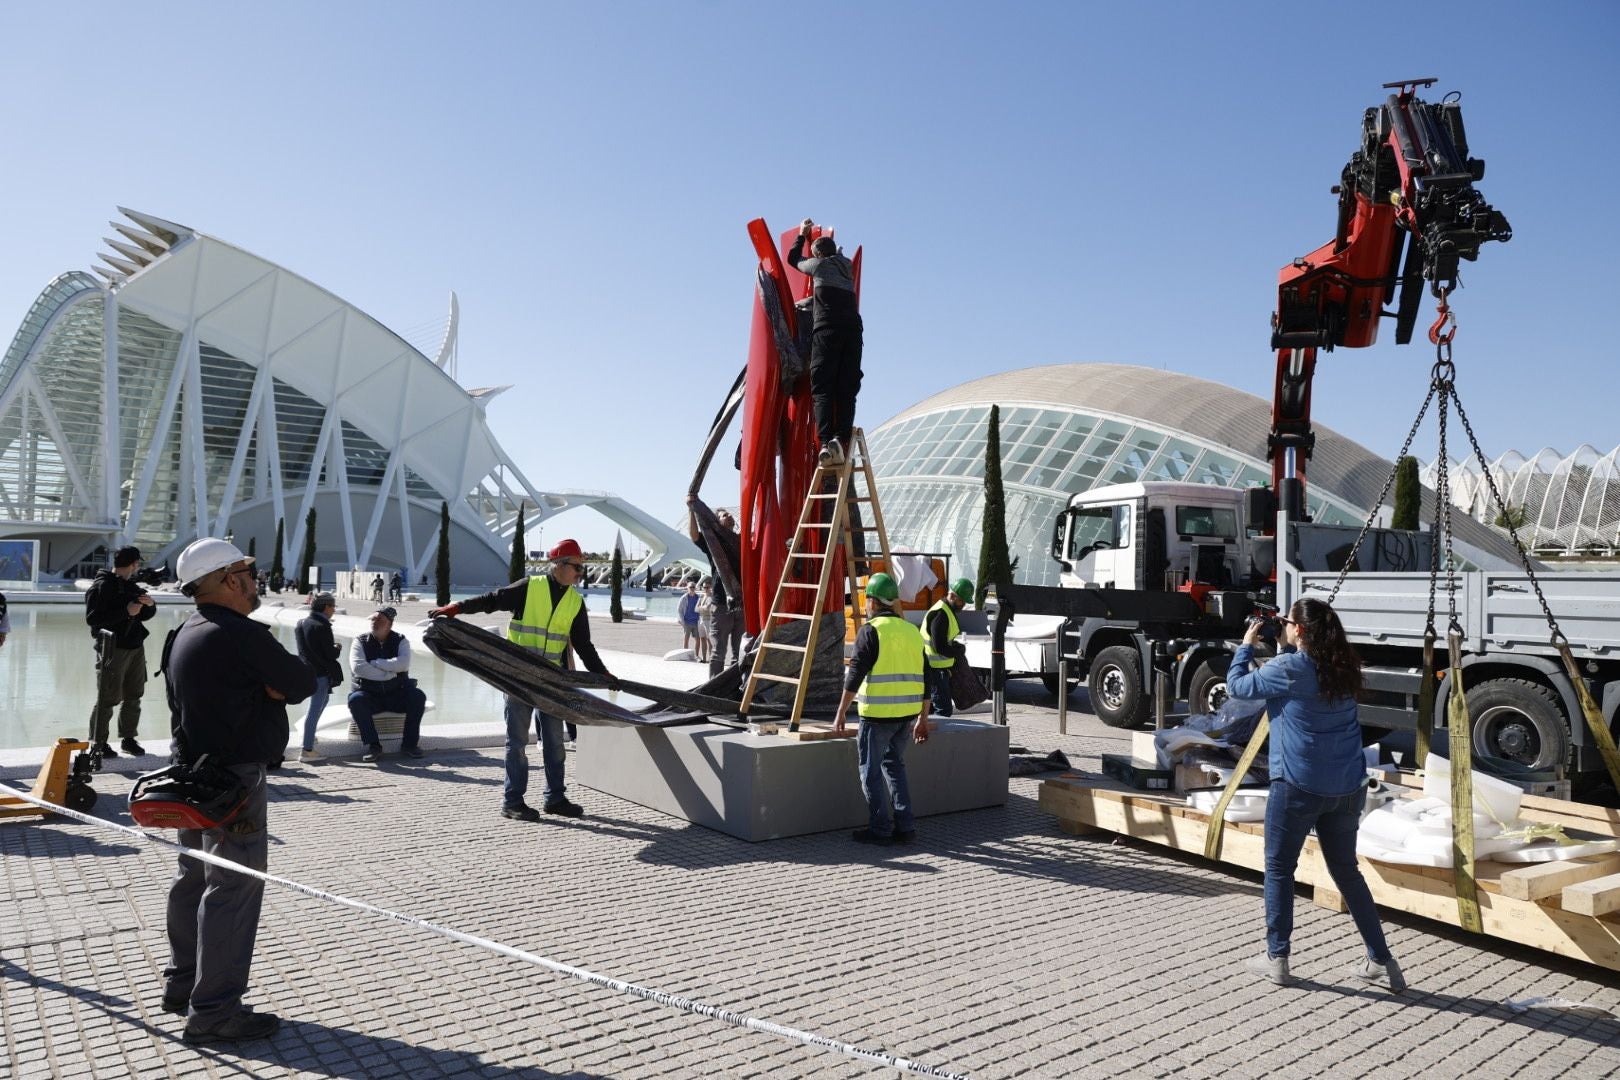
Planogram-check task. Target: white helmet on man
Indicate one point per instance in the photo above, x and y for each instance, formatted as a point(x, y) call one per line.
point(203, 557)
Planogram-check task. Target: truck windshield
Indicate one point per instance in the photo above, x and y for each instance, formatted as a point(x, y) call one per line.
point(1206, 521)
point(1087, 527)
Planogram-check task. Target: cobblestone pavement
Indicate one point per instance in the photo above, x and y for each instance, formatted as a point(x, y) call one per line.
point(996, 946)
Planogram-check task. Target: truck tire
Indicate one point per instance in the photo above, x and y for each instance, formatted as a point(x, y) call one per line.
point(1519, 721)
point(1116, 687)
point(1207, 691)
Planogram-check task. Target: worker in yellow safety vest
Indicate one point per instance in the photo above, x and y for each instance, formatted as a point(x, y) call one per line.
point(885, 679)
point(548, 617)
point(940, 631)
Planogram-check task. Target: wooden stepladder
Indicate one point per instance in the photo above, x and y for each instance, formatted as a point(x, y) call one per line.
point(809, 566)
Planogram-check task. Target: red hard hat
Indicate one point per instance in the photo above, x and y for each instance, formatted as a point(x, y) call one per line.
point(565, 549)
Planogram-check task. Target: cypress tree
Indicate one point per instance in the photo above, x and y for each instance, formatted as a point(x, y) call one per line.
point(520, 556)
point(616, 603)
point(253, 543)
point(994, 568)
point(441, 569)
point(278, 572)
point(1408, 494)
point(307, 560)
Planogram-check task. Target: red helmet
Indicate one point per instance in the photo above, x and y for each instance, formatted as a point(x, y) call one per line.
point(564, 549)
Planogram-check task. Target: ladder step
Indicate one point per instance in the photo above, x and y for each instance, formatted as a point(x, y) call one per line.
point(808, 555)
point(775, 678)
point(834, 495)
point(790, 615)
point(780, 645)
point(798, 585)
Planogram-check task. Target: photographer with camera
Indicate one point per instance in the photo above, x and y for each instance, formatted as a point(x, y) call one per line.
point(116, 608)
point(1318, 776)
point(230, 681)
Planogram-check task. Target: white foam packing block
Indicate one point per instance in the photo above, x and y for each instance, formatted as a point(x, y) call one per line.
point(1498, 798)
point(1542, 851)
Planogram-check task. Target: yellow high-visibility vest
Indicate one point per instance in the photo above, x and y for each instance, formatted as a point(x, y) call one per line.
point(893, 689)
point(952, 628)
point(543, 629)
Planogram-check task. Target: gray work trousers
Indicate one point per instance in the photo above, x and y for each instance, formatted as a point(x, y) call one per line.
point(214, 912)
point(121, 679)
point(728, 627)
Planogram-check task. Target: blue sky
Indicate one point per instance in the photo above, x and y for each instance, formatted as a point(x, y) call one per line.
point(1033, 184)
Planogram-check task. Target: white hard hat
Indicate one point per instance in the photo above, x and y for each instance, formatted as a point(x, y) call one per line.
point(203, 557)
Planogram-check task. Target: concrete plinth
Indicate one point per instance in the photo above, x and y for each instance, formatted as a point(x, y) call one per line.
point(760, 787)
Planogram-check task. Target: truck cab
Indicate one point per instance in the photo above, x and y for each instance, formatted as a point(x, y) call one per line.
point(1160, 536)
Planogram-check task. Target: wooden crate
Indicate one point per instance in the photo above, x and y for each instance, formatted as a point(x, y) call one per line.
point(1569, 908)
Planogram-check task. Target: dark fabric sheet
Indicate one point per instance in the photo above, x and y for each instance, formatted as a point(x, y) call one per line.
point(545, 686)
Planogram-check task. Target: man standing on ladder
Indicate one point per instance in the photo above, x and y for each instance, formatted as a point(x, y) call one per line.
point(888, 673)
point(940, 630)
point(835, 341)
point(548, 616)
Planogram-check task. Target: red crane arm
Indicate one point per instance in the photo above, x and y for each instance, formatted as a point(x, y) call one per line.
point(1411, 186)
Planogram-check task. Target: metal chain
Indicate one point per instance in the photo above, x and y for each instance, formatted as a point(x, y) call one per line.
point(1378, 503)
point(1444, 375)
point(1507, 518)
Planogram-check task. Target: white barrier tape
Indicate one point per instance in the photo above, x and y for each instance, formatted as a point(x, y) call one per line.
point(675, 1001)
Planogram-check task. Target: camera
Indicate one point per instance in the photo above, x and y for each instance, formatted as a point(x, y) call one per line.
point(1266, 617)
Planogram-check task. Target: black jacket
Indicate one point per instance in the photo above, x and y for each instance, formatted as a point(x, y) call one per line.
point(218, 670)
point(318, 649)
point(106, 607)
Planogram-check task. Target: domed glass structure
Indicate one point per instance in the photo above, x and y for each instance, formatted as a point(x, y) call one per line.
point(1068, 428)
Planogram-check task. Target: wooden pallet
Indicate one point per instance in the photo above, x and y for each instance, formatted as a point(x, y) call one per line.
point(1568, 908)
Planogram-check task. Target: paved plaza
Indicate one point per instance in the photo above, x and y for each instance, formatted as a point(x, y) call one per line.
point(996, 946)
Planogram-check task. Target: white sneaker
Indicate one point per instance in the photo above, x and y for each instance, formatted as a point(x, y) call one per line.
point(832, 454)
point(311, 754)
point(1387, 974)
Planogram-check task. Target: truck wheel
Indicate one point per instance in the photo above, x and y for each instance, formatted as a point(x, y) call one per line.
point(1207, 691)
point(1116, 687)
point(1519, 721)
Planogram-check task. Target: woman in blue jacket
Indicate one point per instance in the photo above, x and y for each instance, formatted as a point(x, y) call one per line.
point(1318, 777)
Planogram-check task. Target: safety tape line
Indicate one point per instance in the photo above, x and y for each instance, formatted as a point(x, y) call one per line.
point(662, 997)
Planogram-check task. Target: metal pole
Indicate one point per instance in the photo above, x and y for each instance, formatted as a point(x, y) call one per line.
point(1063, 681)
point(1161, 695)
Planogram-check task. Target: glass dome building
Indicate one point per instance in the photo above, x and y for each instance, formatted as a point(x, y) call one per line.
point(1561, 504)
point(1068, 428)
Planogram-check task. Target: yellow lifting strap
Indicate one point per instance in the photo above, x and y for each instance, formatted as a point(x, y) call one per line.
point(1217, 817)
point(1594, 719)
point(1460, 731)
point(1427, 691)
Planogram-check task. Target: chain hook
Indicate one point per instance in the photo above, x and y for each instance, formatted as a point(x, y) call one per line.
point(1444, 321)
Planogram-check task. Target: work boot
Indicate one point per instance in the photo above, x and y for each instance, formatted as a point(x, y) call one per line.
point(1387, 974)
point(179, 1006)
point(1274, 968)
point(867, 836)
point(564, 808)
point(104, 750)
point(373, 753)
point(905, 837)
point(132, 748)
point(411, 751)
point(520, 813)
point(238, 1027)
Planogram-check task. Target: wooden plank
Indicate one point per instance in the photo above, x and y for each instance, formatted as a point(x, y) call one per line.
point(1324, 897)
point(1074, 828)
point(1425, 891)
point(1541, 880)
point(1600, 896)
point(815, 731)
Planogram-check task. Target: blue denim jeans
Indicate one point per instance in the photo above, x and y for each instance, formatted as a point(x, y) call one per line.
point(317, 703)
point(882, 747)
point(939, 689)
point(518, 715)
point(1291, 813)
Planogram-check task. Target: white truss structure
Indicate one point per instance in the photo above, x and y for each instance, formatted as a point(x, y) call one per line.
point(201, 390)
point(1566, 504)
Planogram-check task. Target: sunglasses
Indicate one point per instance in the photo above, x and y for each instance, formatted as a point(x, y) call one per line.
point(577, 566)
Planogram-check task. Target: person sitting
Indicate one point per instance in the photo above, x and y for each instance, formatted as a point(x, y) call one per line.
point(380, 662)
